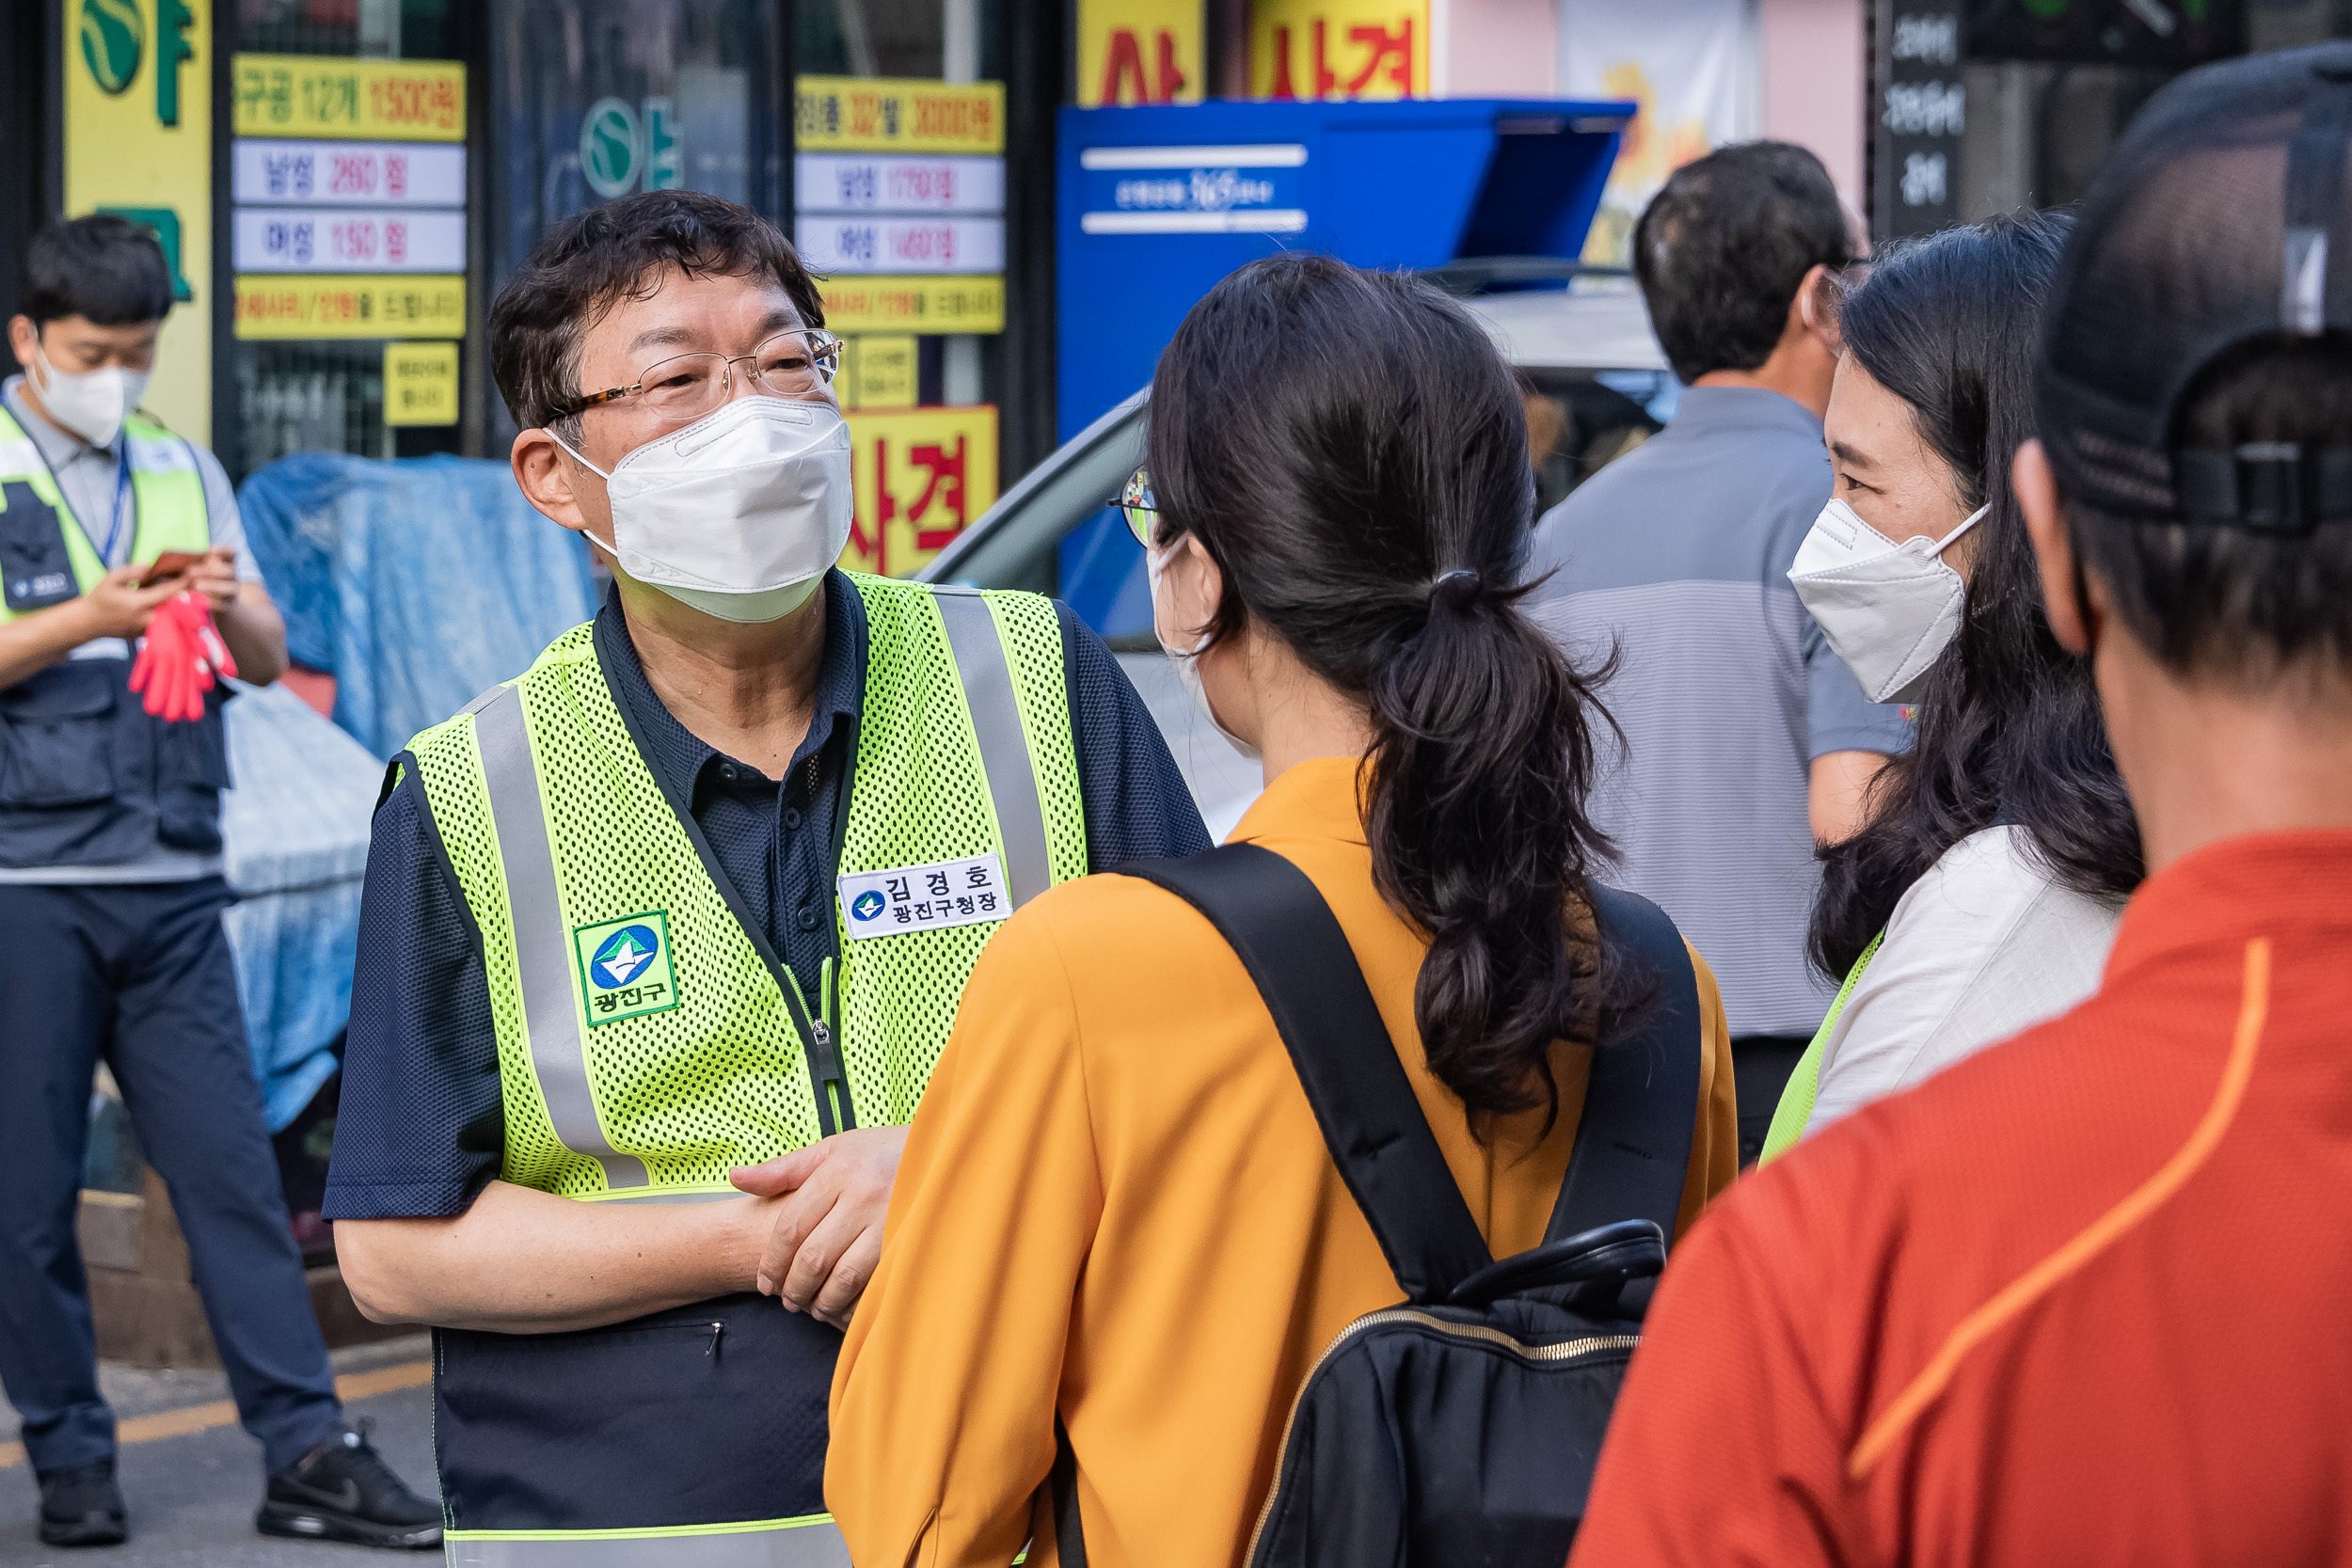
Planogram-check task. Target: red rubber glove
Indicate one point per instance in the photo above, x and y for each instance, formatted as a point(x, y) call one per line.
point(161, 657)
point(178, 663)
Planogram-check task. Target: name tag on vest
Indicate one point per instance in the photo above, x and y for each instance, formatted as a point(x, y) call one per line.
point(928, 898)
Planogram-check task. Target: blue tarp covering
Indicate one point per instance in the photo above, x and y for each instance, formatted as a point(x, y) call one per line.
point(416, 584)
point(296, 832)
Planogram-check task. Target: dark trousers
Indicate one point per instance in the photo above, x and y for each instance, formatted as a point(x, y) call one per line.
point(141, 976)
point(1761, 1066)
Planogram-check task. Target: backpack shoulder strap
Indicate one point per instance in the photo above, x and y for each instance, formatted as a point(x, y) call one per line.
point(1286, 936)
point(1641, 1102)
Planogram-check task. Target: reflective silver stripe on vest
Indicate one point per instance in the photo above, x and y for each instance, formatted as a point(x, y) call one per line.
point(542, 942)
point(811, 1546)
point(987, 676)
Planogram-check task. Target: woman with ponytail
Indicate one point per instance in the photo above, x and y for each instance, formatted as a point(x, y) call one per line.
point(1116, 1212)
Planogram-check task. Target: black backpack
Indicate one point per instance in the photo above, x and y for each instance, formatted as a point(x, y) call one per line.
point(1461, 1425)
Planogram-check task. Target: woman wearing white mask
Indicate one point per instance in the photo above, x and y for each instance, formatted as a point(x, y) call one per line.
point(1983, 895)
point(1117, 1213)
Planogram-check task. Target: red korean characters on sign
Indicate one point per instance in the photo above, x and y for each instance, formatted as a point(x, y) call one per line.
point(1339, 49)
point(923, 475)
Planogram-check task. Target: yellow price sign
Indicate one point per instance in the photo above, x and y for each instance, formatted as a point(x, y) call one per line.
point(336, 95)
point(921, 305)
point(871, 114)
point(922, 476)
point(419, 384)
point(877, 371)
point(391, 306)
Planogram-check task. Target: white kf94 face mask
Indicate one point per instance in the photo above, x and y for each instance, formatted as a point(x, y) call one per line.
point(1188, 663)
point(1890, 610)
point(90, 403)
point(738, 514)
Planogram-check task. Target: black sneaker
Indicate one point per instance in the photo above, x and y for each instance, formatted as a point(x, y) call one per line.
point(342, 1490)
point(81, 1506)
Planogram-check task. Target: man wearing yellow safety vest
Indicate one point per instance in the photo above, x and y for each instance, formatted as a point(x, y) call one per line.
point(663, 937)
point(111, 896)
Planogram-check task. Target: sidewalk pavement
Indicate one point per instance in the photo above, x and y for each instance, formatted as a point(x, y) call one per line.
point(193, 1478)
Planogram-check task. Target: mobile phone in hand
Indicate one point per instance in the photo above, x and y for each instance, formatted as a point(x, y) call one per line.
point(172, 563)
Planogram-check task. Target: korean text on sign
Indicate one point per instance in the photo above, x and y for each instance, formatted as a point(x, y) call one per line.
point(907, 304)
point(294, 306)
point(337, 239)
point(922, 475)
point(1339, 49)
point(308, 95)
point(854, 113)
point(831, 243)
point(348, 174)
point(419, 384)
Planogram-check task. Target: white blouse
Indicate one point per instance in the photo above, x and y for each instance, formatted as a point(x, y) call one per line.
point(1982, 946)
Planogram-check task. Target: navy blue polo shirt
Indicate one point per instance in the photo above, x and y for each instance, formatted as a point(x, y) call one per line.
point(421, 1128)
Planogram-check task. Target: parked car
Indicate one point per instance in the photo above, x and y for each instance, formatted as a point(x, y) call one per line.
point(1597, 386)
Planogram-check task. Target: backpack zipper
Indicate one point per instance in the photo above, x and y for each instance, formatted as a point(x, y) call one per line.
point(1568, 1350)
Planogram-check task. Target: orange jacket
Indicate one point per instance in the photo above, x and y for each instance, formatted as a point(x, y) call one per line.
point(1116, 1203)
point(2080, 1299)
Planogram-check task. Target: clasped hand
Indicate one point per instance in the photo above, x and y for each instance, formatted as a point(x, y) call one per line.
point(827, 1234)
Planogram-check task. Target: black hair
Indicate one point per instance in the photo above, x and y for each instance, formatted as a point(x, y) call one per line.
point(2240, 604)
point(1351, 452)
point(2010, 731)
point(1722, 249)
point(102, 267)
point(591, 260)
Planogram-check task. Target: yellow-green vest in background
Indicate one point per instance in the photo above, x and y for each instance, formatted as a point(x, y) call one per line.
point(91, 779)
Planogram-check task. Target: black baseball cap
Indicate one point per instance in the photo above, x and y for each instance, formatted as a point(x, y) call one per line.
point(2219, 219)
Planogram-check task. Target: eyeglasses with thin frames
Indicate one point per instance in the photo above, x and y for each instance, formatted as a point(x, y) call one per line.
point(1138, 506)
point(688, 385)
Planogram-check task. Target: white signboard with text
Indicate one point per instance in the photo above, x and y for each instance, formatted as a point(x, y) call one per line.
point(846, 244)
point(347, 239)
point(872, 182)
point(347, 173)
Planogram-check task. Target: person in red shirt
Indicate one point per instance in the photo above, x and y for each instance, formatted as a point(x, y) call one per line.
point(2081, 1298)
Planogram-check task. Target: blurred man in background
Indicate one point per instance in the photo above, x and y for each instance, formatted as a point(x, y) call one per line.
point(1746, 737)
point(111, 896)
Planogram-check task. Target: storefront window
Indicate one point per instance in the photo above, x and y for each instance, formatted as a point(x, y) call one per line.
point(2049, 88)
point(595, 99)
point(347, 208)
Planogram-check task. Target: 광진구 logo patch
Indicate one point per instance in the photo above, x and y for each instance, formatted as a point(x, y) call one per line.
point(625, 967)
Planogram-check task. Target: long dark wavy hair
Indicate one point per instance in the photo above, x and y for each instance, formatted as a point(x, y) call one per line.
point(1351, 452)
point(2009, 725)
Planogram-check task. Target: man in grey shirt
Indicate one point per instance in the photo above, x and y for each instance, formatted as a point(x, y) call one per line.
point(1746, 738)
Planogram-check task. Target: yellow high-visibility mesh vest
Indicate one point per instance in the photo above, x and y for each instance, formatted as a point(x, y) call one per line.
point(167, 495)
point(644, 1041)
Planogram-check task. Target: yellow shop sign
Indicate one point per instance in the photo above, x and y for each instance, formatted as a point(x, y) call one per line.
point(948, 303)
point(922, 475)
point(863, 114)
point(336, 95)
point(137, 97)
point(426, 305)
point(419, 384)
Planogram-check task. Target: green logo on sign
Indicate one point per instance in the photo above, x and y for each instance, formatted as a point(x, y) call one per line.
point(113, 38)
point(611, 146)
point(624, 969)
